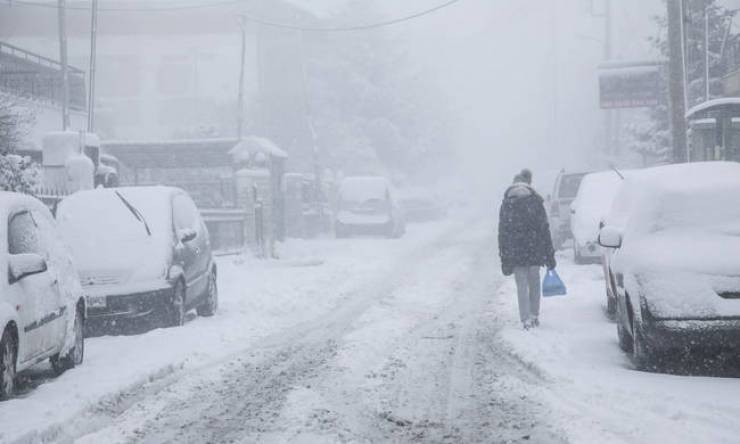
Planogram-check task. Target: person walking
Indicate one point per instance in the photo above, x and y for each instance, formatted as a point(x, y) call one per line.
point(525, 244)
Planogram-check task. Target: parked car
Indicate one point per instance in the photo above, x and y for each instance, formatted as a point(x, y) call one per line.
point(421, 205)
point(42, 309)
point(141, 252)
point(590, 207)
point(674, 241)
point(368, 205)
point(564, 191)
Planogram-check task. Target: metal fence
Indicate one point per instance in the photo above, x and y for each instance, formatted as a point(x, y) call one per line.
point(29, 75)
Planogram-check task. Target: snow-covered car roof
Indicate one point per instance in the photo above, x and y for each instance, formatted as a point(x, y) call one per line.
point(594, 201)
point(152, 202)
point(599, 189)
point(696, 195)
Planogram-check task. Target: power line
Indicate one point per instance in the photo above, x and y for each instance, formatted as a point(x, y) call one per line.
point(355, 27)
point(249, 17)
point(217, 4)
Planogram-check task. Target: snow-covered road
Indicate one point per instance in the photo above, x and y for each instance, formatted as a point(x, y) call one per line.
point(406, 354)
point(374, 340)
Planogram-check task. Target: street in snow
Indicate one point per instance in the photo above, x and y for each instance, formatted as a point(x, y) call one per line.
point(402, 341)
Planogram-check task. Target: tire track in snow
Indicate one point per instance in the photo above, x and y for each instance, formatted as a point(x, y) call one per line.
point(444, 378)
point(246, 395)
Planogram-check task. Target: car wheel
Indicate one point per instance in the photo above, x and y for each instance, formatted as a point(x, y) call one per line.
point(76, 355)
point(174, 315)
point(210, 305)
point(8, 358)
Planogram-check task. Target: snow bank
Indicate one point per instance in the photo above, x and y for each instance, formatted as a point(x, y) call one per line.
point(591, 383)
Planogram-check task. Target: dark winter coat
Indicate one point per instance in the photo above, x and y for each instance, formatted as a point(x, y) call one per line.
point(523, 231)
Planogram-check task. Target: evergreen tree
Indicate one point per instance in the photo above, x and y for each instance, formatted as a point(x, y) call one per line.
point(652, 139)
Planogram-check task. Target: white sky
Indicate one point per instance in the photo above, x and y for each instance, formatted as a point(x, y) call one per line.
point(525, 84)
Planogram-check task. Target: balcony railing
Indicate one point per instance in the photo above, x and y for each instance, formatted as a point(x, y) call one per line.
point(29, 75)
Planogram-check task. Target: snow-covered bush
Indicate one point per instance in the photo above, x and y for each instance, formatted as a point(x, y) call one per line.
point(16, 173)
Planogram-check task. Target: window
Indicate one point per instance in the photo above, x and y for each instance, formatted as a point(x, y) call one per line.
point(569, 185)
point(184, 213)
point(23, 234)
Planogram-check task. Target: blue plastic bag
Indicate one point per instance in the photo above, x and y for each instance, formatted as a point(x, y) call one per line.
point(552, 285)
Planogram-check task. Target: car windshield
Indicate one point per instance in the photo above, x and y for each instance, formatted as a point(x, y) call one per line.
point(361, 190)
point(569, 185)
point(97, 223)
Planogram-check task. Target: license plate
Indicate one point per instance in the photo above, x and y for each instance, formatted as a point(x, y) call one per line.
point(96, 301)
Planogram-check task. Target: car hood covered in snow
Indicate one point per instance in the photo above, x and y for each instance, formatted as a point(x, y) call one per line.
point(688, 276)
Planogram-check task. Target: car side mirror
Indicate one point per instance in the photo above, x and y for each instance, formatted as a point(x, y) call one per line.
point(24, 265)
point(187, 235)
point(610, 237)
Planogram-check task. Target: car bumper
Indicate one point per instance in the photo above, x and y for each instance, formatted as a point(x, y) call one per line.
point(692, 333)
point(104, 308)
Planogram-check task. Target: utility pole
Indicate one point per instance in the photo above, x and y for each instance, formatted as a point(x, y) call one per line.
point(611, 144)
point(610, 116)
point(61, 13)
point(311, 128)
point(91, 80)
point(240, 110)
point(676, 85)
point(706, 53)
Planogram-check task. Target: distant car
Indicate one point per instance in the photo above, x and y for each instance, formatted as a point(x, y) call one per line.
point(674, 241)
point(420, 205)
point(42, 308)
point(590, 207)
point(368, 205)
point(564, 191)
point(142, 252)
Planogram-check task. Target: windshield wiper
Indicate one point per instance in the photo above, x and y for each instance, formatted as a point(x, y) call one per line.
point(621, 176)
point(135, 212)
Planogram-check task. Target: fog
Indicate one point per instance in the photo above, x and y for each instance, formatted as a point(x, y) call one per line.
point(522, 78)
point(443, 221)
point(518, 81)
